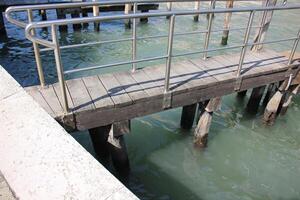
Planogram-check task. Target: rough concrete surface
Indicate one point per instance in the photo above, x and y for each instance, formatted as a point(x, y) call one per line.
point(40, 160)
point(5, 193)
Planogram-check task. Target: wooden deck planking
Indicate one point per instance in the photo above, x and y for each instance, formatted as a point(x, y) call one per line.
point(149, 86)
point(38, 97)
point(80, 96)
point(133, 89)
point(50, 96)
point(115, 90)
point(97, 92)
point(124, 95)
point(57, 91)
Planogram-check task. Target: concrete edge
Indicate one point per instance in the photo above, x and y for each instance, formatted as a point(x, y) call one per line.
point(41, 160)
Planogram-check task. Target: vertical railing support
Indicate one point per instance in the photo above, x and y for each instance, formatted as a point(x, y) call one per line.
point(59, 68)
point(37, 54)
point(208, 33)
point(134, 38)
point(167, 97)
point(294, 48)
point(169, 8)
point(243, 51)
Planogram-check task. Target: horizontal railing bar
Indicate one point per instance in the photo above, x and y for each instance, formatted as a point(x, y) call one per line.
point(206, 51)
point(88, 44)
point(140, 38)
point(114, 64)
point(273, 41)
point(99, 3)
point(155, 14)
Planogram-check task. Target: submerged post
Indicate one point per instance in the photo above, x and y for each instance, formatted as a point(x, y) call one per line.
point(37, 54)
point(128, 8)
point(255, 99)
point(95, 14)
point(2, 26)
point(188, 116)
point(197, 7)
point(61, 15)
point(229, 4)
point(59, 68)
point(202, 129)
point(264, 25)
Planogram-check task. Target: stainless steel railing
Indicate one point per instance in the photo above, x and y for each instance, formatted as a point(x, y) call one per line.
point(55, 46)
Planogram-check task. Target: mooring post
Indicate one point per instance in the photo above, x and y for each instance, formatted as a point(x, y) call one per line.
point(2, 27)
point(188, 115)
point(60, 13)
point(255, 99)
point(99, 137)
point(242, 94)
point(197, 7)
point(43, 14)
point(144, 19)
point(117, 147)
point(84, 13)
point(95, 14)
point(128, 8)
point(75, 13)
point(293, 90)
point(273, 105)
point(169, 8)
point(270, 92)
point(202, 129)
point(266, 19)
point(229, 4)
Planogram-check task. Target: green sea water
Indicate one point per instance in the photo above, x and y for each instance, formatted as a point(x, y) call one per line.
point(244, 158)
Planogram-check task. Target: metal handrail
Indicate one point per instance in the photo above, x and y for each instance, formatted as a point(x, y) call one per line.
point(54, 44)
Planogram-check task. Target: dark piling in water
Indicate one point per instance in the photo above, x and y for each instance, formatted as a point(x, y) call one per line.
point(188, 116)
point(255, 99)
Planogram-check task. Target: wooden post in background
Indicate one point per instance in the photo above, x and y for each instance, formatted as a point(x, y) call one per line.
point(75, 13)
point(265, 23)
point(2, 27)
point(128, 8)
point(229, 4)
point(197, 7)
point(95, 14)
point(169, 8)
point(201, 132)
point(61, 15)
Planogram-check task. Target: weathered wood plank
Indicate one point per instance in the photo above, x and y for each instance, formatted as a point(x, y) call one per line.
point(115, 90)
point(80, 96)
point(149, 86)
point(50, 96)
point(133, 89)
point(57, 90)
point(38, 97)
point(98, 93)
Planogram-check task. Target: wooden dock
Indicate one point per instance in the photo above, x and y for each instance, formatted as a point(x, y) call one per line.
point(104, 99)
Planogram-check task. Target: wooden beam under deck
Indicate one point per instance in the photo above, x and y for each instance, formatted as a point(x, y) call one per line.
point(104, 99)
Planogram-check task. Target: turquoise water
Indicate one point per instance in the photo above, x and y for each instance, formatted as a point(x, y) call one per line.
point(244, 159)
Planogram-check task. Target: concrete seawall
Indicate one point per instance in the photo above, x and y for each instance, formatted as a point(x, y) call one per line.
point(40, 160)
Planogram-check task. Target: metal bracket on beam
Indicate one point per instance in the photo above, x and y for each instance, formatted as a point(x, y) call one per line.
point(167, 101)
point(238, 83)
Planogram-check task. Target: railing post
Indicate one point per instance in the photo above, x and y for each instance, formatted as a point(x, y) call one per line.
point(59, 68)
point(209, 26)
point(37, 54)
point(169, 8)
point(243, 51)
point(134, 38)
point(294, 48)
point(167, 97)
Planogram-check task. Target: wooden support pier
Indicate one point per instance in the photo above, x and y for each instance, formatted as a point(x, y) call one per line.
point(108, 98)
